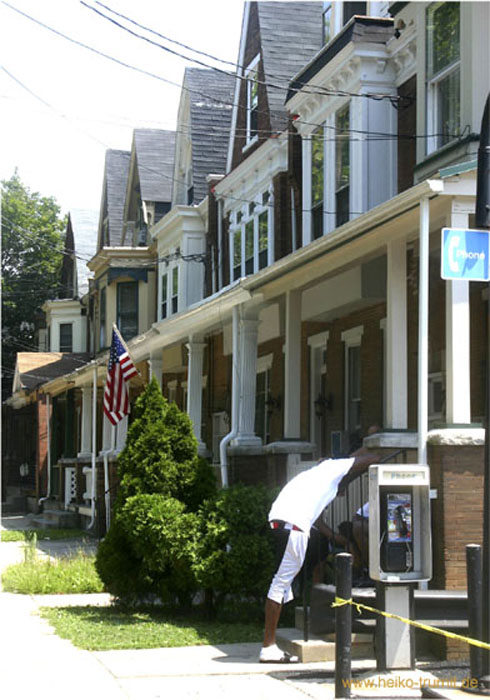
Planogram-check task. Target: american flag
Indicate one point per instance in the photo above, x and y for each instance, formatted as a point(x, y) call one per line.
point(119, 371)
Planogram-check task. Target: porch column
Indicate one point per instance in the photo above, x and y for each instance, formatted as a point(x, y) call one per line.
point(396, 337)
point(121, 433)
point(194, 387)
point(458, 409)
point(156, 366)
point(86, 437)
point(292, 367)
point(249, 330)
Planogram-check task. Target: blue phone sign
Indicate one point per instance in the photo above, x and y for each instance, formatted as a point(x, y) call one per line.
point(465, 255)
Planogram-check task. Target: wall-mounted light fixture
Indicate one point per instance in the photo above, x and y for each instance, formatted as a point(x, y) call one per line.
point(322, 404)
point(273, 404)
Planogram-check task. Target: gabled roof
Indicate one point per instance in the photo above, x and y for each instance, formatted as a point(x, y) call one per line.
point(210, 98)
point(290, 35)
point(114, 195)
point(155, 153)
point(84, 226)
point(35, 368)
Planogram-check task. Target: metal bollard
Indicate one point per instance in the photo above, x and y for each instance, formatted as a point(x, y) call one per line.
point(475, 606)
point(343, 626)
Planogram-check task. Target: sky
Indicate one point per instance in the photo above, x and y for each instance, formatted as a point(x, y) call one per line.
point(62, 106)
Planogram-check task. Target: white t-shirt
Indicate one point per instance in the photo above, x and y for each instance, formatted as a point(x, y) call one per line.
point(304, 497)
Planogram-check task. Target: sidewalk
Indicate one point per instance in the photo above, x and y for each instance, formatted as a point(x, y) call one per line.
point(34, 662)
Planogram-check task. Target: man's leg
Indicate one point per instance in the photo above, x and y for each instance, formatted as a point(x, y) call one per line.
point(272, 615)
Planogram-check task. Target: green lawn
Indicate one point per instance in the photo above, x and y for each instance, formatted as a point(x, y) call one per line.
point(74, 574)
point(104, 628)
point(42, 534)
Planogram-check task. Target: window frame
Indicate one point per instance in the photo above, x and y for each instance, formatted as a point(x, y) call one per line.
point(252, 101)
point(242, 263)
point(66, 347)
point(121, 324)
point(435, 79)
point(164, 296)
point(342, 147)
point(317, 206)
point(352, 340)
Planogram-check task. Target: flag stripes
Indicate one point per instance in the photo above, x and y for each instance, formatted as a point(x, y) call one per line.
point(120, 369)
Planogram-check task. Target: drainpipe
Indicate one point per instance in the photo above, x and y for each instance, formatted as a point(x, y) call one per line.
point(94, 447)
point(423, 341)
point(48, 453)
point(235, 405)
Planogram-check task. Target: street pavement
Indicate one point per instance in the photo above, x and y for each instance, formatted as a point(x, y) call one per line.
point(34, 662)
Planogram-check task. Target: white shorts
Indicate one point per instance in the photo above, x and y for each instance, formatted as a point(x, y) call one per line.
point(291, 563)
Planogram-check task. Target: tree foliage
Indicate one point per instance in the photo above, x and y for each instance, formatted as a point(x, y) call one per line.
point(149, 547)
point(32, 243)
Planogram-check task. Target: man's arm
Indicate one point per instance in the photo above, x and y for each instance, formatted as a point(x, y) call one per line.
point(361, 464)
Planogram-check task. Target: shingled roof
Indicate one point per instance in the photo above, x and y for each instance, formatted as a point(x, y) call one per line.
point(115, 181)
point(291, 34)
point(211, 97)
point(155, 153)
point(35, 368)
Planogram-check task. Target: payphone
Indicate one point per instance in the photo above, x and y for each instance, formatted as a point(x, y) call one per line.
point(399, 523)
point(399, 554)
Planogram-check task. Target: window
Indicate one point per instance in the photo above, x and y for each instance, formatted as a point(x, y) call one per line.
point(262, 398)
point(237, 253)
point(127, 309)
point(443, 73)
point(436, 396)
point(250, 243)
point(102, 313)
point(164, 297)
point(352, 391)
point(327, 22)
point(353, 8)
point(317, 164)
point(342, 166)
point(252, 85)
point(175, 290)
point(66, 337)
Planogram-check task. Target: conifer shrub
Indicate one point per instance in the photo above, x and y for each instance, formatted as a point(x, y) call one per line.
point(148, 548)
point(234, 555)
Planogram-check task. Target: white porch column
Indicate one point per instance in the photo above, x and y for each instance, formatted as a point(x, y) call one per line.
point(121, 433)
point(194, 386)
point(292, 367)
point(249, 330)
point(156, 366)
point(86, 437)
point(458, 408)
point(396, 337)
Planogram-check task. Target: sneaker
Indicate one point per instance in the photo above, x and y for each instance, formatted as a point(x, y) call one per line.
point(274, 655)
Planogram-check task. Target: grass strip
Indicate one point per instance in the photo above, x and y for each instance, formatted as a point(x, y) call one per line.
point(42, 534)
point(74, 574)
point(104, 628)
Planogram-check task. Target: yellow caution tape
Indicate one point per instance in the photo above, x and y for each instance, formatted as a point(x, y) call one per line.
point(451, 635)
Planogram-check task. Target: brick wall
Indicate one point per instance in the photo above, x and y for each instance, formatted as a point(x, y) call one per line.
point(457, 513)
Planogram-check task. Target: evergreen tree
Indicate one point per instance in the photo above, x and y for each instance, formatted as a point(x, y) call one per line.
point(149, 546)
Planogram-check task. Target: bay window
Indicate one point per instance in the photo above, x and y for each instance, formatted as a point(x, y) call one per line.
point(127, 309)
point(342, 166)
point(250, 237)
point(317, 175)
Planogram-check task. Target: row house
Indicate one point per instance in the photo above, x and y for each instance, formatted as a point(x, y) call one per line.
point(298, 295)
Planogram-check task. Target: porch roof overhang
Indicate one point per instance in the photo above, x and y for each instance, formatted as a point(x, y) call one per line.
point(328, 253)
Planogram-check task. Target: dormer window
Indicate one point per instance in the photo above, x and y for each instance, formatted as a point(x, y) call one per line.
point(252, 84)
point(443, 74)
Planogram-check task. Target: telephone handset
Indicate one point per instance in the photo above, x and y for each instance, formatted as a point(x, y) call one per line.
point(396, 529)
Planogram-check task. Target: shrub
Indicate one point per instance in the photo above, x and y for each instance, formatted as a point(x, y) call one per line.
point(234, 554)
point(149, 547)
